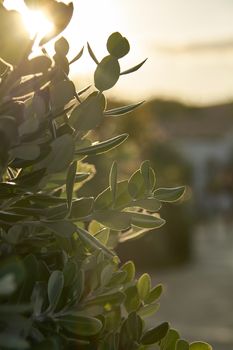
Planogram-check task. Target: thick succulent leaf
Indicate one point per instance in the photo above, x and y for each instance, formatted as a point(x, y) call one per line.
point(148, 175)
point(182, 345)
point(117, 45)
point(144, 286)
point(55, 287)
point(80, 325)
point(104, 146)
point(61, 93)
point(38, 64)
point(61, 46)
point(154, 294)
point(60, 156)
point(132, 301)
point(91, 53)
point(88, 114)
point(60, 15)
point(62, 228)
point(136, 185)
point(107, 73)
point(169, 342)
point(115, 112)
point(200, 346)
point(130, 270)
point(113, 180)
point(115, 298)
point(155, 335)
point(133, 69)
point(93, 243)
point(27, 151)
point(146, 221)
point(31, 179)
point(150, 204)
point(134, 326)
point(14, 36)
point(169, 194)
point(78, 56)
point(148, 310)
point(70, 181)
point(112, 219)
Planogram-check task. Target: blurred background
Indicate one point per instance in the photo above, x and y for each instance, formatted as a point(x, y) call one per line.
point(185, 129)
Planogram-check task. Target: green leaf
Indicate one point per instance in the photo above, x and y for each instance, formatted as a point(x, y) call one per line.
point(103, 236)
point(200, 346)
point(104, 146)
point(117, 45)
point(107, 73)
point(62, 228)
point(146, 221)
point(154, 294)
point(55, 287)
point(136, 185)
point(169, 342)
point(148, 175)
point(61, 46)
point(144, 286)
point(133, 69)
point(150, 204)
point(113, 180)
point(61, 155)
point(114, 298)
point(8, 128)
point(38, 64)
point(61, 93)
point(26, 151)
point(130, 269)
point(155, 335)
point(81, 325)
point(60, 15)
point(77, 57)
point(182, 345)
point(93, 243)
point(87, 115)
point(134, 326)
point(115, 112)
point(91, 53)
point(132, 301)
point(169, 194)
point(30, 179)
point(81, 207)
point(112, 219)
point(29, 126)
point(148, 310)
point(70, 181)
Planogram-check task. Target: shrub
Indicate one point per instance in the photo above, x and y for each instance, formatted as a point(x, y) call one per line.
point(61, 284)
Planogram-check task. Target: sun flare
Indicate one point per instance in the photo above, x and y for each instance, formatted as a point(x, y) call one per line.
point(36, 23)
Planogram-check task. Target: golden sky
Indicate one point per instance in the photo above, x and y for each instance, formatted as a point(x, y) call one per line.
point(189, 44)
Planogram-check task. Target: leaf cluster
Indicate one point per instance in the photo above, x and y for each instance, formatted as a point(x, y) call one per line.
point(61, 283)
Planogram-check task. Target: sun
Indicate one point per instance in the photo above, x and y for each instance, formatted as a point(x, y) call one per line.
point(36, 22)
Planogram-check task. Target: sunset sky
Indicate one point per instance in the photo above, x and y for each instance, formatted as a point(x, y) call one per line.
point(189, 45)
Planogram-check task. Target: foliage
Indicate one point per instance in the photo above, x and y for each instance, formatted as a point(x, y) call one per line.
point(61, 284)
